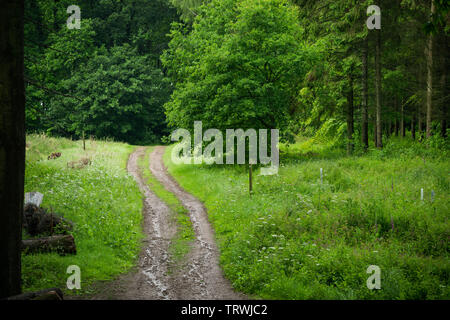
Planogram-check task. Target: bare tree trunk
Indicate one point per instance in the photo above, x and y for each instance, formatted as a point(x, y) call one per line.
point(12, 145)
point(444, 110)
point(84, 141)
point(444, 90)
point(350, 123)
point(365, 97)
point(62, 244)
point(430, 77)
point(402, 120)
point(413, 126)
point(397, 123)
point(375, 131)
point(379, 135)
point(388, 128)
point(419, 121)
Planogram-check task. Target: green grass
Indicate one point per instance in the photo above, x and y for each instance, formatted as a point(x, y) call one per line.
point(180, 244)
point(296, 238)
point(102, 200)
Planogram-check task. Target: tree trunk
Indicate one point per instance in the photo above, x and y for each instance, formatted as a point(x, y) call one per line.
point(419, 120)
point(379, 143)
point(84, 141)
point(413, 126)
point(62, 244)
point(12, 145)
point(388, 127)
point(375, 131)
point(444, 90)
point(430, 77)
point(402, 120)
point(365, 97)
point(350, 123)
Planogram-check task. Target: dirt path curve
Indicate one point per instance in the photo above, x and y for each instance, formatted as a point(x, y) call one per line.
point(151, 280)
point(198, 277)
point(202, 264)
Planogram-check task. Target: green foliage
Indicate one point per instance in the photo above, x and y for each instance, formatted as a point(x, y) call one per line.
point(102, 200)
point(296, 238)
point(122, 94)
point(103, 79)
point(238, 68)
point(187, 8)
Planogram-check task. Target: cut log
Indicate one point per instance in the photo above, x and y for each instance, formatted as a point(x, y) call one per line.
point(63, 244)
point(38, 221)
point(48, 294)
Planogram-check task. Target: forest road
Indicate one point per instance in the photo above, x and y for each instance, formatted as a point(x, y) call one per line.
point(198, 276)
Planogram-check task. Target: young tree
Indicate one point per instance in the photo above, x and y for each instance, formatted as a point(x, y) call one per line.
point(240, 67)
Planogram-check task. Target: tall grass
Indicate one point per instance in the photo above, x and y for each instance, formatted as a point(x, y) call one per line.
point(296, 238)
point(101, 199)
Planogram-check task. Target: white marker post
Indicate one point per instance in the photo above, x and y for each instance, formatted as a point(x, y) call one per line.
point(321, 175)
point(421, 194)
point(432, 195)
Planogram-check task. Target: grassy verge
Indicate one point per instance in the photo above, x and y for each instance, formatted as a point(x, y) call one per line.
point(180, 244)
point(297, 238)
point(101, 199)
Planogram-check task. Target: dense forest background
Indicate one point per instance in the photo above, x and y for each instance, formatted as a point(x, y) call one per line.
point(136, 69)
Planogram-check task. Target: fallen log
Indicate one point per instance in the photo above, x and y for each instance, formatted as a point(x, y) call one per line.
point(62, 244)
point(47, 294)
point(37, 220)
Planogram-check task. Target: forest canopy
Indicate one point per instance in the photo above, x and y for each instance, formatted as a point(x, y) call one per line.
point(104, 79)
point(137, 69)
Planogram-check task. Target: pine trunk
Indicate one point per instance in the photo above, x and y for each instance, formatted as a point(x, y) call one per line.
point(402, 120)
point(350, 123)
point(430, 77)
point(365, 97)
point(379, 143)
point(444, 90)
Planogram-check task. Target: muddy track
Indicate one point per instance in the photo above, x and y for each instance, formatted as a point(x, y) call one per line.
point(202, 264)
point(198, 276)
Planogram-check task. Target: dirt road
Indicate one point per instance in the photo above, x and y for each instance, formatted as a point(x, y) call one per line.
point(198, 276)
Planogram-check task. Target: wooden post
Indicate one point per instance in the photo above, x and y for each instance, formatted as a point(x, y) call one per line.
point(84, 142)
point(250, 180)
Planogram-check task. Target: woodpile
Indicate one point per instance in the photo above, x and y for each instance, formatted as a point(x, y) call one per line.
point(38, 221)
point(62, 244)
point(54, 155)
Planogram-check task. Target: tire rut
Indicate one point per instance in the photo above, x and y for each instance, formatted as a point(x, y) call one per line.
point(198, 276)
point(202, 263)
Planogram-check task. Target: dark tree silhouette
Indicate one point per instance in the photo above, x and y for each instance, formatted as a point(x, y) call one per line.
point(12, 144)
